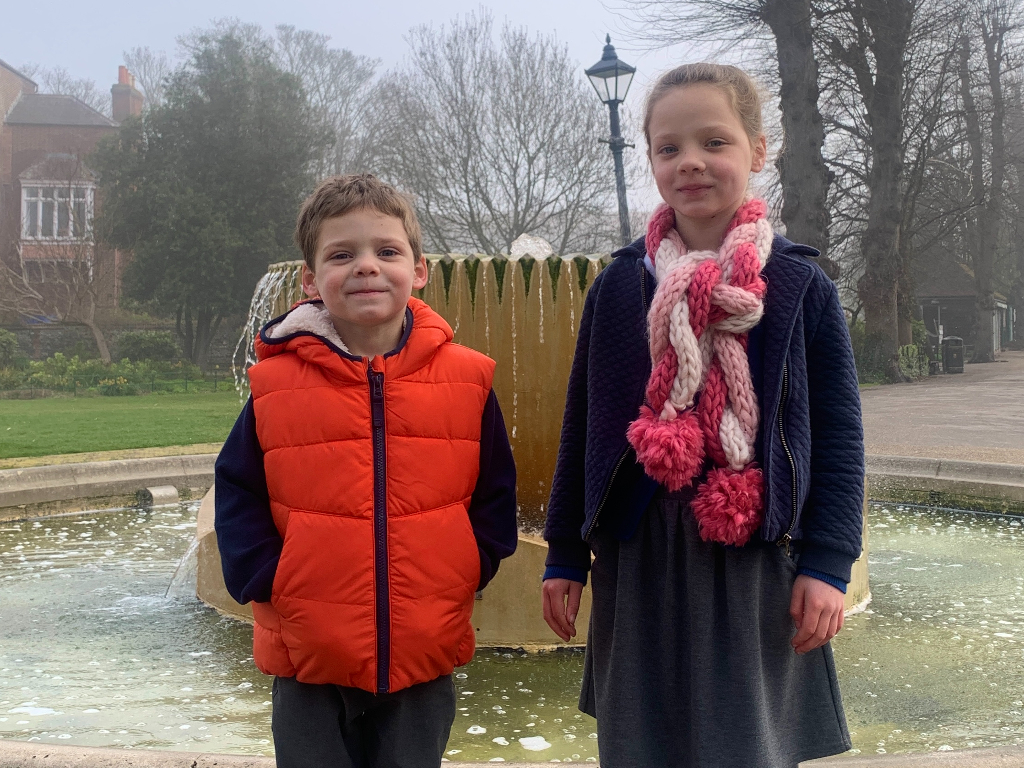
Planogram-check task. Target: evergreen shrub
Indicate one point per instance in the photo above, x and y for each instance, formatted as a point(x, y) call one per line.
point(148, 345)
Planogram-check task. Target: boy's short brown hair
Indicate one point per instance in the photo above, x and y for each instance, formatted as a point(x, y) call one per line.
point(338, 195)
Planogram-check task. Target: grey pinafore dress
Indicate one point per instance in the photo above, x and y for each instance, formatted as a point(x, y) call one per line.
point(688, 660)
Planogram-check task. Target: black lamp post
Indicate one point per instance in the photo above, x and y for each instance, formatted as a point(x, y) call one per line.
point(611, 78)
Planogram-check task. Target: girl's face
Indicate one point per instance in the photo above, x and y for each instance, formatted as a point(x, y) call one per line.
point(701, 155)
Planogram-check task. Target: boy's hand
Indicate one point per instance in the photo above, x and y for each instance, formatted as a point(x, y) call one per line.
point(817, 611)
point(561, 604)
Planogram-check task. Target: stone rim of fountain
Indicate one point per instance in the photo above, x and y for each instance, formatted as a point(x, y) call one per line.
point(20, 754)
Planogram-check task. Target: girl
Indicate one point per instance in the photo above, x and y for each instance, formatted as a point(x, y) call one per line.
point(712, 458)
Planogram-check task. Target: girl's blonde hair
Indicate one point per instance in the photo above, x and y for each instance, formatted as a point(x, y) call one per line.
point(740, 87)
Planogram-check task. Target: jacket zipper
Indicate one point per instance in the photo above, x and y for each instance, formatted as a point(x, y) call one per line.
point(787, 537)
point(607, 490)
point(643, 287)
point(622, 458)
point(380, 530)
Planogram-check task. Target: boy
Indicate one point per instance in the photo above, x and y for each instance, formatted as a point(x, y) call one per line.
point(365, 493)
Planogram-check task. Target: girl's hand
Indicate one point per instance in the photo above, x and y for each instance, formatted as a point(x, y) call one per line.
point(561, 604)
point(817, 611)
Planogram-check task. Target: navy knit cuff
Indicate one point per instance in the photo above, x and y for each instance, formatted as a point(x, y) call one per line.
point(569, 553)
point(830, 580)
point(825, 559)
point(565, 572)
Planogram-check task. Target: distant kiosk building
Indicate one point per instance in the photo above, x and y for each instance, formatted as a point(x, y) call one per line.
point(947, 297)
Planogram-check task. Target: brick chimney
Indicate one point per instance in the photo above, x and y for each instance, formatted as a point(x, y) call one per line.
point(126, 100)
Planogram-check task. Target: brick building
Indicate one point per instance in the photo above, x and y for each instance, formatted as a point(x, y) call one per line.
point(48, 199)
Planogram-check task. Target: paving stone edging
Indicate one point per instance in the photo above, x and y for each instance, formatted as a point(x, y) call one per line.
point(995, 487)
point(20, 754)
point(35, 486)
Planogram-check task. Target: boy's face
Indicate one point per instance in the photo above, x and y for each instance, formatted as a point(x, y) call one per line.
point(365, 272)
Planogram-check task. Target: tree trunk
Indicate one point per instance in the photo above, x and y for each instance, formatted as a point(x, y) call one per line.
point(889, 22)
point(87, 316)
point(905, 303)
point(207, 324)
point(989, 217)
point(186, 332)
point(804, 175)
point(101, 340)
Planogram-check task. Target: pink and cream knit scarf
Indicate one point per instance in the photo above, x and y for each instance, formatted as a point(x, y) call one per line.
point(705, 304)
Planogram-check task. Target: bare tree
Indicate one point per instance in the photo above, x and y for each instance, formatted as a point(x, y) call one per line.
point(930, 127)
point(1014, 198)
point(495, 139)
point(59, 81)
point(869, 40)
point(151, 69)
point(337, 83)
point(994, 21)
point(803, 173)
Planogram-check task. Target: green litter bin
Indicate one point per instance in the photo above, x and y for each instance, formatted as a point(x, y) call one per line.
point(953, 354)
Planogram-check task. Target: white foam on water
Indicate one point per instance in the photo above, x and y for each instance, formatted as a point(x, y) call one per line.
point(534, 743)
point(29, 708)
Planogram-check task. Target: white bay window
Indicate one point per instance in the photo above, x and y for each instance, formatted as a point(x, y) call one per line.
point(52, 211)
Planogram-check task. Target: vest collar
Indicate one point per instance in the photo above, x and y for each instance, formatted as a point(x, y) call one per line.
point(310, 318)
point(306, 330)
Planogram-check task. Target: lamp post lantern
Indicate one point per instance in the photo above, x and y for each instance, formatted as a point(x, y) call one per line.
point(611, 78)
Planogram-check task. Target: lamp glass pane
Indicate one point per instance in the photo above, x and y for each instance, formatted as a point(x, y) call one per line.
point(622, 85)
point(601, 86)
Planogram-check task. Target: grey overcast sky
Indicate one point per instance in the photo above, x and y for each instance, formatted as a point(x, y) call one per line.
point(88, 38)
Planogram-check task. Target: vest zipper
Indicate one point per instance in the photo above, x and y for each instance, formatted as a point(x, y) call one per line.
point(787, 537)
point(380, 530)
point(618, 464)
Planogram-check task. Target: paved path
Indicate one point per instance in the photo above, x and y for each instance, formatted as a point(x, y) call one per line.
point(974, 416)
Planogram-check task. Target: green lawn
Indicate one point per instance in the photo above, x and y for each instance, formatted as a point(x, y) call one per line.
point(72, 425)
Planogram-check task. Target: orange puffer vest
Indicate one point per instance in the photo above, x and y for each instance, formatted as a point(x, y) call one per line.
point(370, 468)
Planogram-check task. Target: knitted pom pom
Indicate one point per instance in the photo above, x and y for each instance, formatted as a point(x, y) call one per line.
point(729, 505)
point(672, 451)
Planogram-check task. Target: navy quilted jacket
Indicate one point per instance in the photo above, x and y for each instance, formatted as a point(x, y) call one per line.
point(811, 442)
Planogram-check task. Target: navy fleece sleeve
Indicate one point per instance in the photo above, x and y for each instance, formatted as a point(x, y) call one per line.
point(833, 514)
point(492, 508)
point(249, 543)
